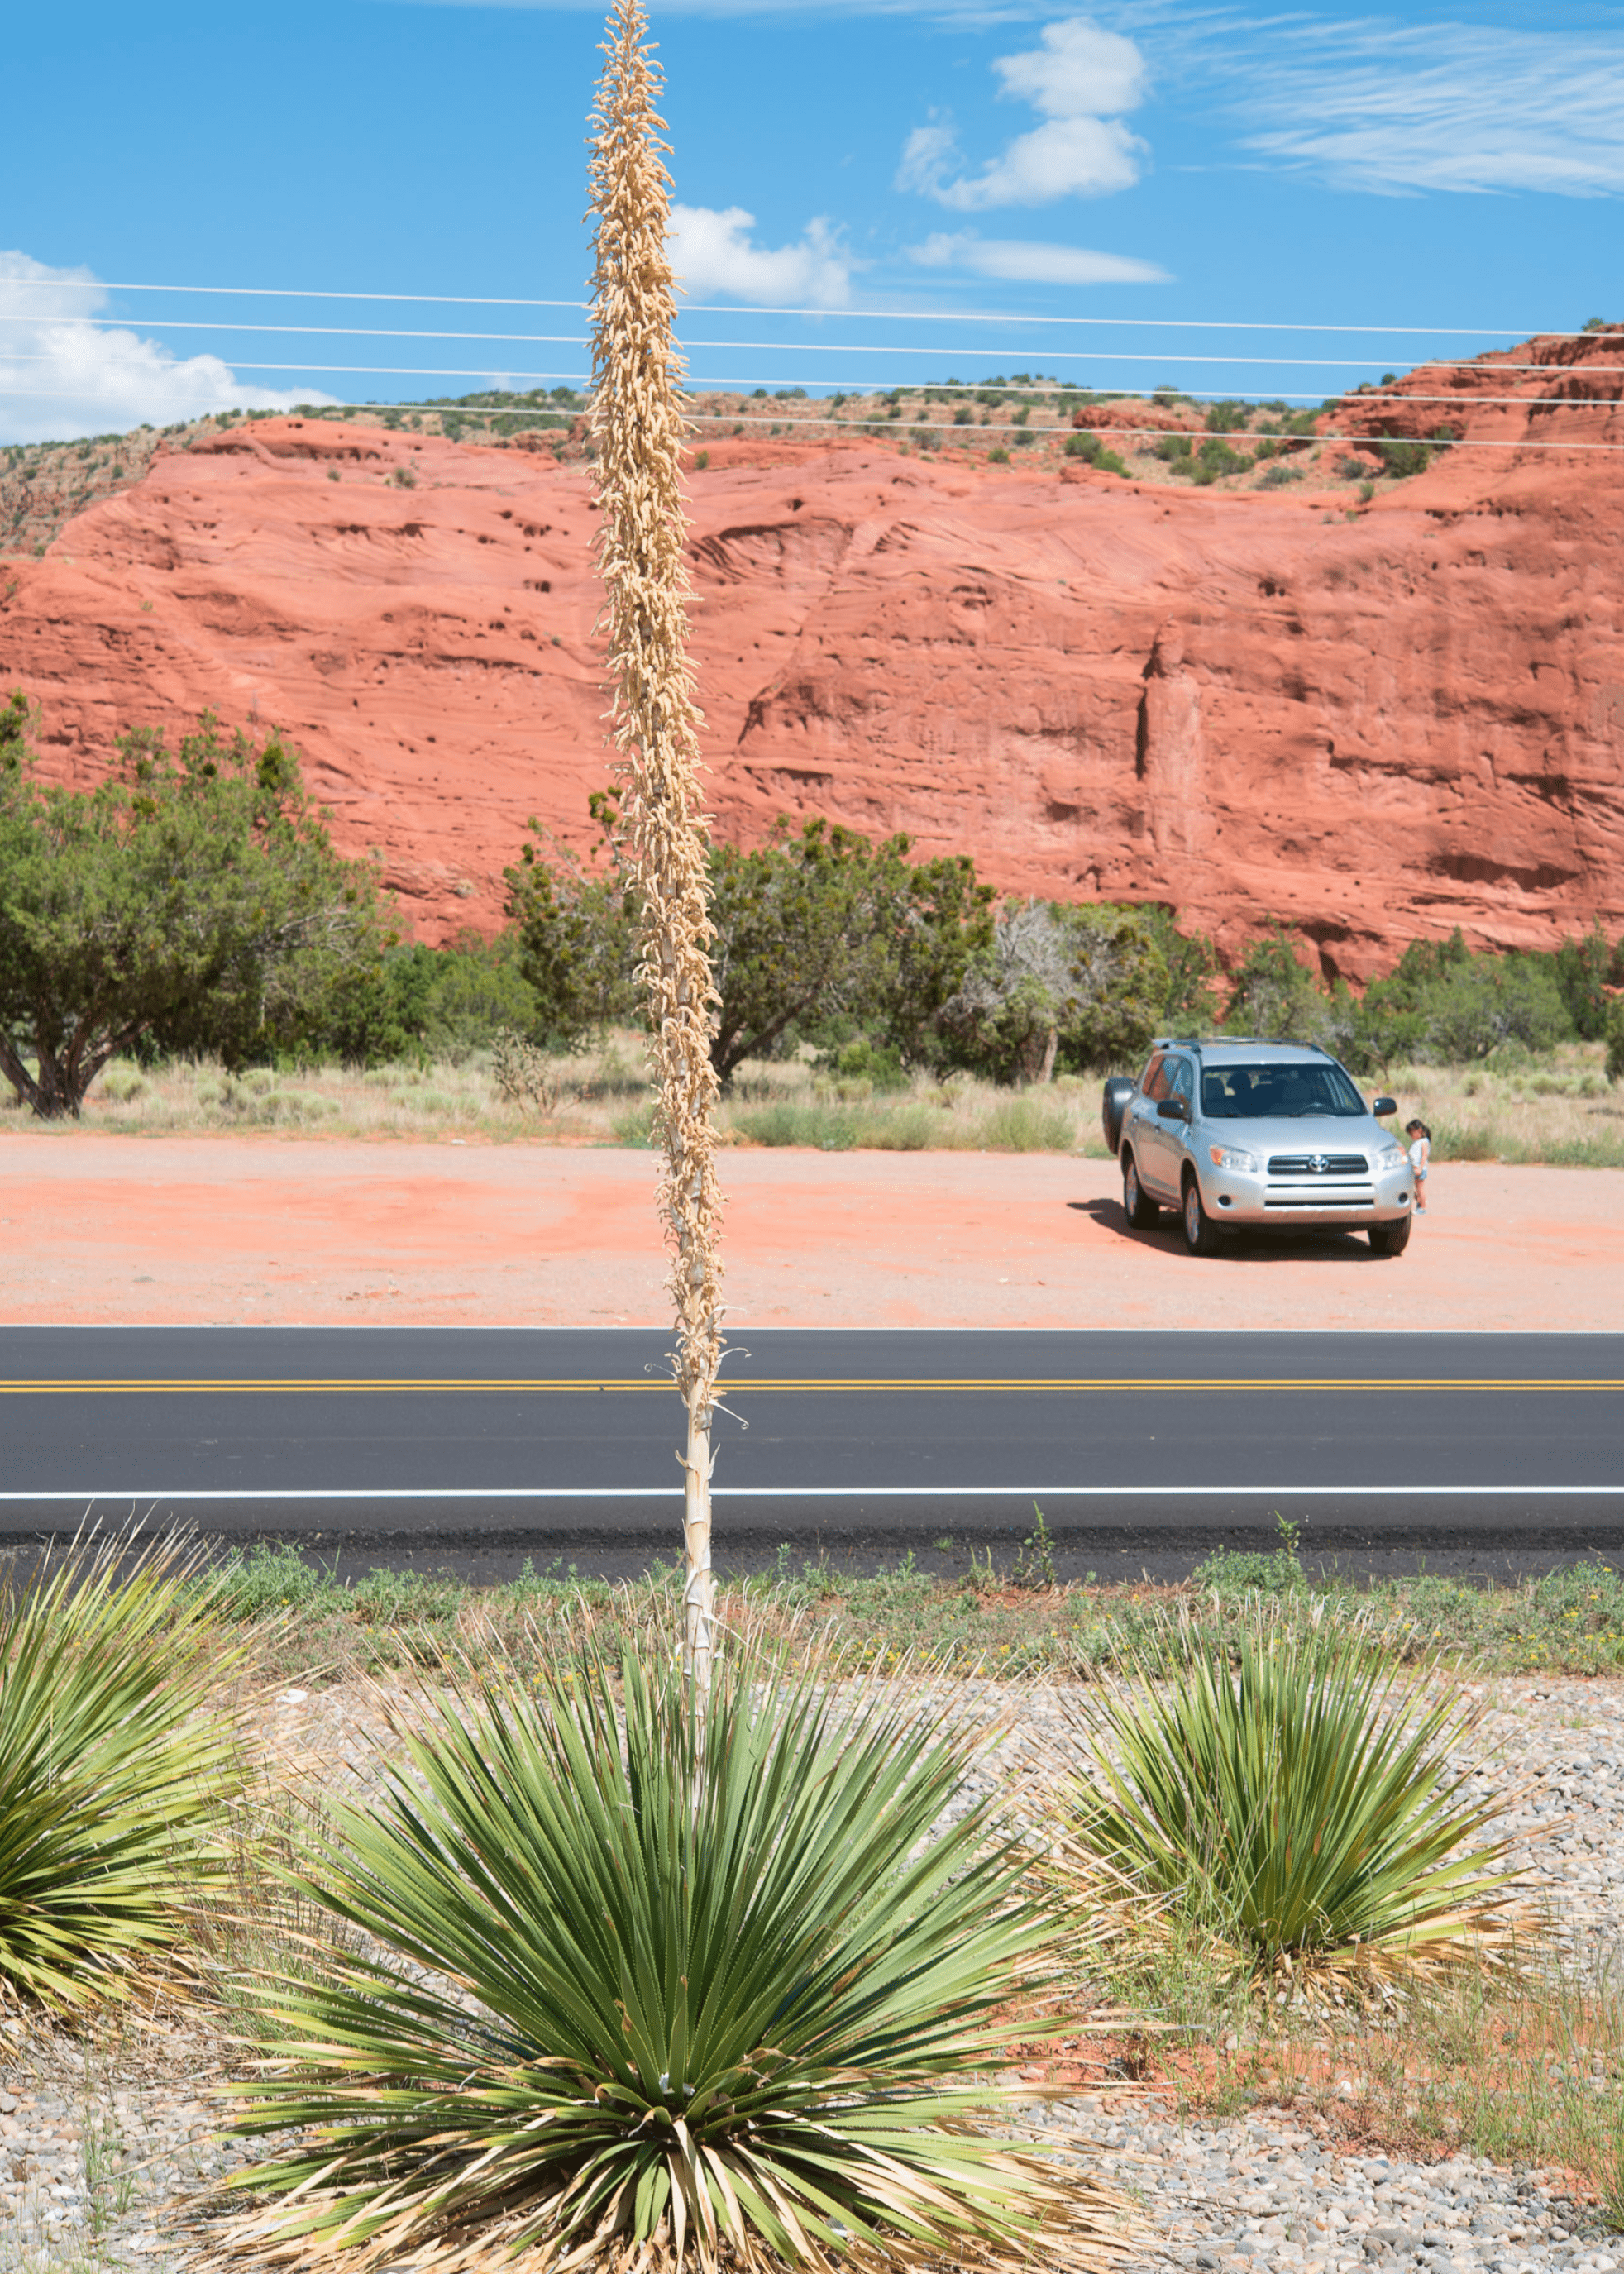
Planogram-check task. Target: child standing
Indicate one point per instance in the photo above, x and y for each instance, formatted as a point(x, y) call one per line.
point(1420, 1153)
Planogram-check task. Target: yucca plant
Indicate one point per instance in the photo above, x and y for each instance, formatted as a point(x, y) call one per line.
point(112, 1770)
point(637, 1988)
point(639, 429)
point(1297, 1805)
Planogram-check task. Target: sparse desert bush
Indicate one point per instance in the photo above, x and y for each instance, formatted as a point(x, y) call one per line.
point(522, 1073)
point(1089, 447)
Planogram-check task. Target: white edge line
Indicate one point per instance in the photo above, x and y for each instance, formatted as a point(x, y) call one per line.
point(842, 1492)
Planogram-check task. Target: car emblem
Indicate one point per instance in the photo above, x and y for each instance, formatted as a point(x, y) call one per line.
point(1319, 1164)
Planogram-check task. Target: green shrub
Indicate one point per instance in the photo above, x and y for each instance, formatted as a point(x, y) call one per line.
point(1402, 459)
point(1090, 448)
point(112, 1770)
point(1215, 460)
point(1228, 417)
point(1029, 1124)
point(408, 1599)
point(1298, 1808)
point(791, 1122)
point(272, 1577)
point(865, 1060)
point(1232, 1575)
point(633, 1985)
point(1275, 994)
point(1615, 1040)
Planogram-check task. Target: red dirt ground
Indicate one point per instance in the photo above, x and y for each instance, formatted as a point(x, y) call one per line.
point(130, 1229)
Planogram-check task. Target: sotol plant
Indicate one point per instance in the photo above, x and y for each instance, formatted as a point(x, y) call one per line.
point(638, 427)
point(660, 1991)
point(112, 1771)
point(672, 1968)
point(1297, 1808)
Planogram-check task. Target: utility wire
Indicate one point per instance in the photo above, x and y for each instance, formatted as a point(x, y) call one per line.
point(511, 380)
point(867, 315)
point(772, 347)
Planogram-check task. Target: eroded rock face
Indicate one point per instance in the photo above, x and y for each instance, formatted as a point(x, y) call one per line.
point(1372, 723)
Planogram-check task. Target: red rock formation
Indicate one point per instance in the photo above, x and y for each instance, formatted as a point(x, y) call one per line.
point(1372, 723)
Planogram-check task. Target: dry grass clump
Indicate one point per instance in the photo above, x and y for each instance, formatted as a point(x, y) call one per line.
point(1559, 1109)
point(597, 1097)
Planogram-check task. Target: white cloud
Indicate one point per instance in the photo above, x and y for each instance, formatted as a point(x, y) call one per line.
point(712, 251)
point(1079, 72)
point(1063, 158)
point(1377, 105)
point(1080, 78)
point(1021, 262)
point(62, 375)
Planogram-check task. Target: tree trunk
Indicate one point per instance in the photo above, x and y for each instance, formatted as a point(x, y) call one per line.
point(54, 1092)
point(1051, 1049)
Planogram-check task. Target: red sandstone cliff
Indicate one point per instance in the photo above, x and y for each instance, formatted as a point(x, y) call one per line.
point(1248, 703)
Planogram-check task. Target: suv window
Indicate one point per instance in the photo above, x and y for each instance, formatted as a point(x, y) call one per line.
point(1289, 1090)
point(1182, 1083)
point(1154, 1080)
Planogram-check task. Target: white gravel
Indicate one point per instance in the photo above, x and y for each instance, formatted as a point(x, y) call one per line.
point(100, 2154)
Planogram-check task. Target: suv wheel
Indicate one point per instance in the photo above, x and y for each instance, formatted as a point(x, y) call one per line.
point(1202, 1235)
point(1391, 1238)
point(1141, 1213)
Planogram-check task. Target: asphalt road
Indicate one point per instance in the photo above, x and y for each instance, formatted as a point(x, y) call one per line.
point(478, 1447)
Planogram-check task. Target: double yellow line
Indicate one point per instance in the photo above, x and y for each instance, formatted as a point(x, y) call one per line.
point(509, 1386)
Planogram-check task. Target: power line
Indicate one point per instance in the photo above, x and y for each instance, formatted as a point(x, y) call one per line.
point(864, 391)
point(867, 315)
point(775, 347)
point(723, 386)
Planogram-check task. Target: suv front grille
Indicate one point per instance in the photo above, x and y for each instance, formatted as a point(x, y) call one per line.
point(1318, 1164)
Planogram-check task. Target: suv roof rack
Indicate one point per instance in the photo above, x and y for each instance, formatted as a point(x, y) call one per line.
point(1242, 1042)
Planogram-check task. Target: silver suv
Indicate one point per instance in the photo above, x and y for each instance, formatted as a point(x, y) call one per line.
point(1268, 1136)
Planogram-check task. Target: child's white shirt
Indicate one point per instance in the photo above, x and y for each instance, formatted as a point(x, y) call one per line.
point(1420, 1153)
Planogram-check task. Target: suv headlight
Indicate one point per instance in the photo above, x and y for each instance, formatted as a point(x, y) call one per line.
point(1233, 1157)
point(1391, 1156)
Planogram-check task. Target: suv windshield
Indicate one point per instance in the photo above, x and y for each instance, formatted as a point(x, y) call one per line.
point(1257, 1093)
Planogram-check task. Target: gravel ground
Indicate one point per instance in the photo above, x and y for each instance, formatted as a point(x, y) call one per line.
point(102, 2149)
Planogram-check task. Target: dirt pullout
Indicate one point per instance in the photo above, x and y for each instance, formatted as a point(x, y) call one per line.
point(129, 1231)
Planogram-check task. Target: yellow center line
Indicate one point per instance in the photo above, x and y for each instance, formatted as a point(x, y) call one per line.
point(510, 1386)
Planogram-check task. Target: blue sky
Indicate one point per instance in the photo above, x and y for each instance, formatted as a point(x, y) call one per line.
point(1457, 171)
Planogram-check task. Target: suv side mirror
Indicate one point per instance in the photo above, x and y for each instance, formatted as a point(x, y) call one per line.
point(1384, 1106)
point(1172, 1108)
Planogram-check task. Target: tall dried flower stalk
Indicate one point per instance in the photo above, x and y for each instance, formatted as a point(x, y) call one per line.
point(638, 428)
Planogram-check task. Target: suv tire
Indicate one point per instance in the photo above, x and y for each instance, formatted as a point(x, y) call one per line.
point(1202, 1235)
point(1391, 1238)
point(1142, 1213)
